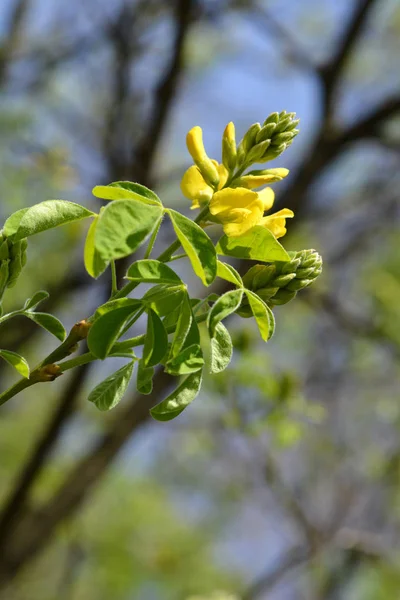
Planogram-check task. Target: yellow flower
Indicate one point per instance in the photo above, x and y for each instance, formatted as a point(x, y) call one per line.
point(255, 180)
point(194, 186)
point(276, 223)
point(194, 143)
point(237, 209)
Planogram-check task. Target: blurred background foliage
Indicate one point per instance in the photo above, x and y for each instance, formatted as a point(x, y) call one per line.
point(282, 480)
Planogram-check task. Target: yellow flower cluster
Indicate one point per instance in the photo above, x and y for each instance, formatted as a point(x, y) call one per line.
point(236, 207)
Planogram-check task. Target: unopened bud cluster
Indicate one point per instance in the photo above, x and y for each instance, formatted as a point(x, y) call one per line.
point(265, 142)
point(278, 283)
point(12, 261)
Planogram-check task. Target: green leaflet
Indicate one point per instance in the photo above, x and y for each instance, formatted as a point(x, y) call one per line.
point(164, 299)
point(108, 326)
point(125, 190)
point(123, 226)
point(152, 271)
point(227, 272)
point(40, 217)
point(197, 245)
point(257, 244)
point(180, 398)
point(221, 349)
point(156, 344)
point(182, 326)
point(18, 362)
point(188, 361)
point(117, 303)
point(48, 322)
point(224, 306)
point(109, 392)
point(94, 264)
point(262, 314)
point(36, 299)
point(144, 378)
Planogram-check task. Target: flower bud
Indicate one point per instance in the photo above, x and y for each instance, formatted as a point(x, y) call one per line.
point(278, 283)
point(229, 153)
point(256, 153)
point(255, 179)
point(194, 142)
point(265, 132)
point(272, 118)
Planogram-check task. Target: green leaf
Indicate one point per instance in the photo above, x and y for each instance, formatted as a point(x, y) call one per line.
point(182, 326)
point(156, 344)
point(36, 299)
point(125, 190)
point(225, 305)
point(197, 245)
point(152, 271)
point(18, 362)
point(188, 361)
point(94, 264)
point(108, 326)
point(227, 272)
point(118, 303)
point(180, 398)
point(48, 322)
point(40, 217)
point(262, 314)
point(221, 349)
point(164, 299)
point(257, 244)
point(144, 379)
point(123, 226)
point(109, 392)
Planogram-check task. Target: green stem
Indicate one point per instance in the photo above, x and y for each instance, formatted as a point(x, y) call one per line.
point(153, 239)
point(163, 257)
point(15, 389)
point(139, 340)
point(76, 336)
point(114, 284)
point(177, 257)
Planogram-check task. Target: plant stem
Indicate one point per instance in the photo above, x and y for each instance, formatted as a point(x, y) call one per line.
point(163, 257)
point(114, 284)
point(139, 340)
point(153, 239)
point(12, 391)
point(79, 331)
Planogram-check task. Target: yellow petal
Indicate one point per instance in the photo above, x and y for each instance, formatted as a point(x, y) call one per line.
point(194, 187)
point(267, 196)
point(236, 221)
point(230, 198)
point(194, 143)
point(223, 173)
point(276, 223)
point(259, 178)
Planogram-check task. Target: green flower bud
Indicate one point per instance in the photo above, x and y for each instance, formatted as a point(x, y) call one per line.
point(278, 283)
point(292, 125)
point(273, 152)
point(282, 138)
point(229, 147)
point(266, 132)
point(283, 123)
point(249, 138)
point(282, 296)
point(257, 152)
point(272, 118)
